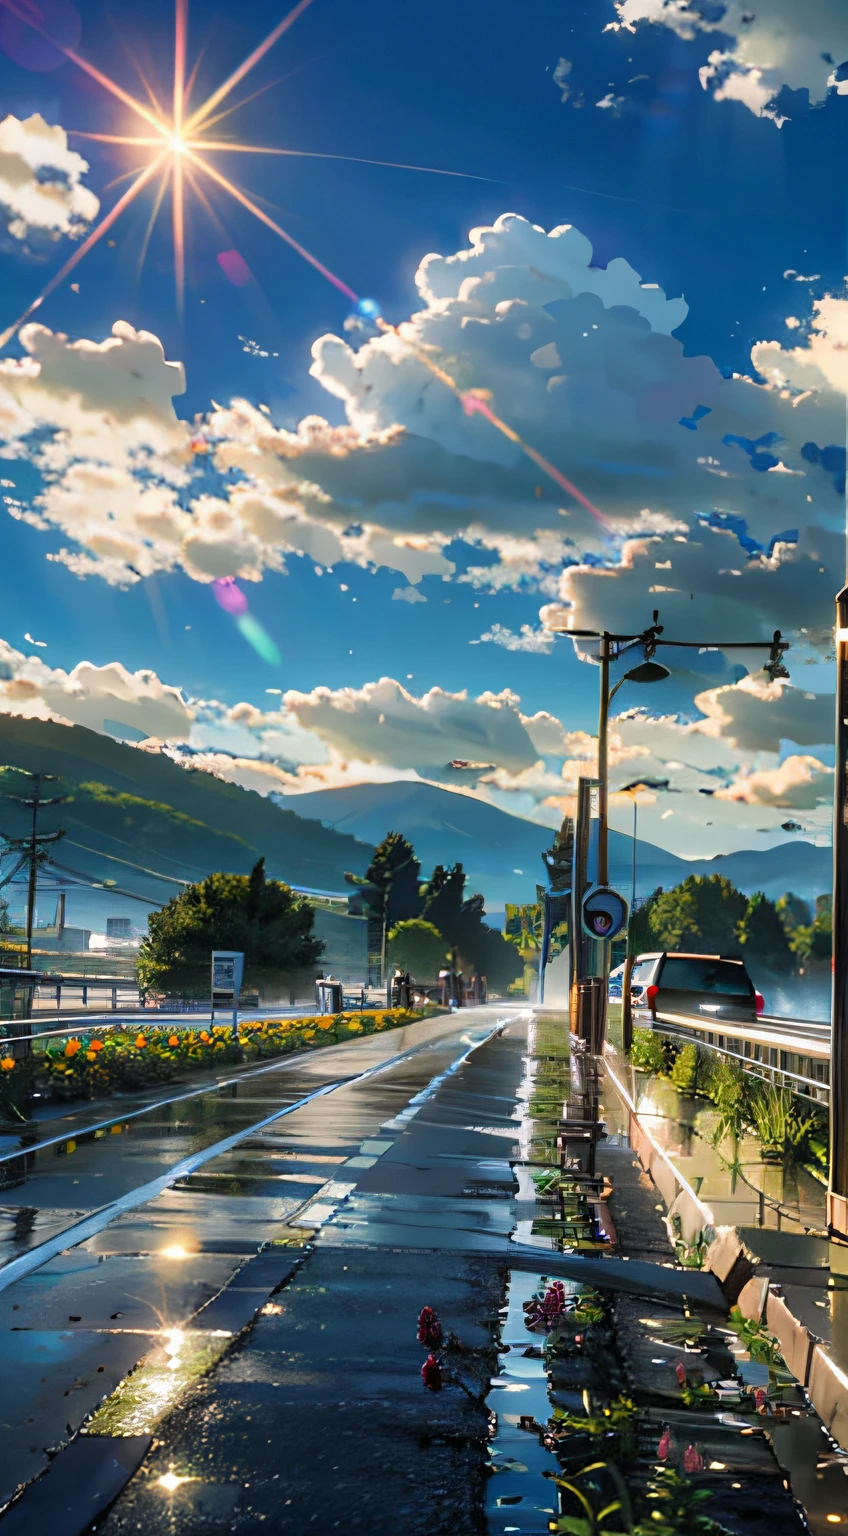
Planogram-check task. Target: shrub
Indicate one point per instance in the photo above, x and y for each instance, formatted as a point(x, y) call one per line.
point(649, 1052)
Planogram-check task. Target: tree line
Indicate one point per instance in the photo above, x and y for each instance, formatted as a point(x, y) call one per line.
point(429, 923)
point(706, 914)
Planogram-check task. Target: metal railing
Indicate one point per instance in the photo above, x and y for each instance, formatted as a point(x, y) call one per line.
point(792, 1053)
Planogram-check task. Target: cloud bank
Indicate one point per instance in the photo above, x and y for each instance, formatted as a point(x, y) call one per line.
point(728, 490)
point(763, 48)
point(41, 190)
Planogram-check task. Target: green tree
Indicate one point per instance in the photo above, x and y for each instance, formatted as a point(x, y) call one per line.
point(813, 942)
point(264, 919)
point(762, 934)
point(460, 919)
point(640, 935)
point(388, 891)
point(701, 915)
point(793, 911)
point(418, 947)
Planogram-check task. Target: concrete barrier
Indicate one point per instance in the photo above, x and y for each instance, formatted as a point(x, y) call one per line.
point(732, 1264)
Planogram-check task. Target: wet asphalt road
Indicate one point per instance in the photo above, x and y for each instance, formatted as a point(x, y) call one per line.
point(76, 1325)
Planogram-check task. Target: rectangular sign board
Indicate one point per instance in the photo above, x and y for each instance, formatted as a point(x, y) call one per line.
point(227, 972)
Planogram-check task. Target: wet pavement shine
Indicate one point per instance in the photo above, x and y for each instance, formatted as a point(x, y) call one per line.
point(240, 1351)
point(86, 1315)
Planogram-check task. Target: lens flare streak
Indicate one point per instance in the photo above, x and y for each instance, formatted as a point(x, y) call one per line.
point(179, 149)
point(474, 403)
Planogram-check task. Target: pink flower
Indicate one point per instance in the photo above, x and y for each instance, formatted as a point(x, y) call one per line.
point(667, 1448)
point(680, 1373)
point(693, 1460)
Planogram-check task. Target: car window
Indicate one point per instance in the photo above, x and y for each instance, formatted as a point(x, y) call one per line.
point(642, 972)
point(697, 973)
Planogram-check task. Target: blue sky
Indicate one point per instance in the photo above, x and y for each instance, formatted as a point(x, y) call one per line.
point(700, 195)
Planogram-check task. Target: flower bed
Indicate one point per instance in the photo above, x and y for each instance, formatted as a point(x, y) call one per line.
point(92, 1065)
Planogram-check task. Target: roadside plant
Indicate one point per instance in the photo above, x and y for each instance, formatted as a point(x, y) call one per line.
point(755, 1337)
point(612, 1427)
point(691, 1071)
point(431, 1374)
point(690, 1255)
point(94, 1066)
point(730, 1092)
point(649, 1052)
point(676, 1507)
point(595, 1505)
point(589, 1309)
point(788, 1132)
point(429, 1328)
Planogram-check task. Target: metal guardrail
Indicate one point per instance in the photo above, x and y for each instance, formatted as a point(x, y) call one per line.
point(792, 1053)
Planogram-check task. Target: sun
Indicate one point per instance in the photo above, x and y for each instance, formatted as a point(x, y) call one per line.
point(175, 146)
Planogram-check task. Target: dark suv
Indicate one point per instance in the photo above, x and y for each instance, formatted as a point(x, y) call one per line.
point(708, 985)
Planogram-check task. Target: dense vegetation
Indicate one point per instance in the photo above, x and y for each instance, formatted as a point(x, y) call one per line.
point(789, 1129)
point(392, 893)
point(96, 1063)
point(262, 918)
point(708, 915)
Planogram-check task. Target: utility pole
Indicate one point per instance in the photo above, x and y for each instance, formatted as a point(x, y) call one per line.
point(603, 762)
point(33, 845)
point(837, 1195)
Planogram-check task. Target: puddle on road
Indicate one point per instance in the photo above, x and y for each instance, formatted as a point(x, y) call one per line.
point(696, 1389)
point(518, 1496)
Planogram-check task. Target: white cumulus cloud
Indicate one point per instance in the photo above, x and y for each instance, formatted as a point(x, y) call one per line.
point(41, 187)
point(774, 43)
point(100, 698)
point(384, 723)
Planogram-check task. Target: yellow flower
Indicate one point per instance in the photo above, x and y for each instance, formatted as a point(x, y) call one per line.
point(7, 1064)
point(309, 1034)
point(353, 1025)
point(72, 1047)
point(204, 1037)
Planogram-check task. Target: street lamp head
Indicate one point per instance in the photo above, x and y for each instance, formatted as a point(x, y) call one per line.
point(647, 672)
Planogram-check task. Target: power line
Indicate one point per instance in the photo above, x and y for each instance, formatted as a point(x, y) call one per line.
point(35, 845)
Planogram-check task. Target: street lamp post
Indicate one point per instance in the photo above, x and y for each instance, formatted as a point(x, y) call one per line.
point(626, 1008)
point(633, 790)
point(649, 671)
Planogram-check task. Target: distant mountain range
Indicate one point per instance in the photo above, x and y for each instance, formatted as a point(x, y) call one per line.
point(502, 854)
point(138, 824)
point(142, 821)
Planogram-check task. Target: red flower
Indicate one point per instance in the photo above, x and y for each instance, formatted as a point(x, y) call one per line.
point(680, 1372)
point(429, 1328)
point(431, 1374)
